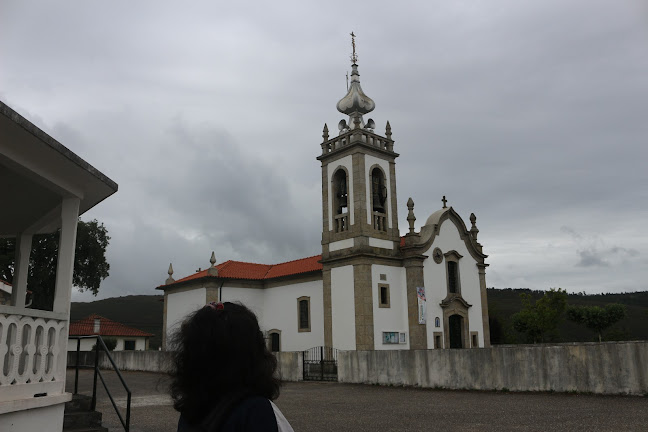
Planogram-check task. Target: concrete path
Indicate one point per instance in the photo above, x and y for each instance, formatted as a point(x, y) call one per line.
point(346, 407)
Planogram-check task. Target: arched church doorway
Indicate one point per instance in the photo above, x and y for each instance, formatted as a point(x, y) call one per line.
point(455, 327)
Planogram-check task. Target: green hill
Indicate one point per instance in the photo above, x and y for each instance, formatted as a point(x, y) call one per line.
point(503, 303)
point(143, 312)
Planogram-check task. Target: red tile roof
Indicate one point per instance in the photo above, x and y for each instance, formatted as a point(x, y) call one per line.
point(107, 327)
point(252, 271)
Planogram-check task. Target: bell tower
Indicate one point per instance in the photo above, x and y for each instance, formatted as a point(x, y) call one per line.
point(358, 181)
point(359, 216)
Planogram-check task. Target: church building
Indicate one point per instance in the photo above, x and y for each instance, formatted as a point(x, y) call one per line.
point(371, 288)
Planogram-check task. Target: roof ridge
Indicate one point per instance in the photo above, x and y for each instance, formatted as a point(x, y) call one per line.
point(298, 259)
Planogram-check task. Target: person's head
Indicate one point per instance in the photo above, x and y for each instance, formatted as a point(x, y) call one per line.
point(220, 353)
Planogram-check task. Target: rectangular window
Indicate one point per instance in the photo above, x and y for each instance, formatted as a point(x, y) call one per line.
point(303, 314)
point(474, 339)
point(383, 296)
point(452, 277)
point(438, 340)
point(274, 342)
point(129, 345)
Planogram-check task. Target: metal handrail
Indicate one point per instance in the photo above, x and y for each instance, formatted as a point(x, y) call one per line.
point(100, 344)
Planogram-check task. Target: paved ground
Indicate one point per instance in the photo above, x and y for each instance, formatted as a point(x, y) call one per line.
point(346, 407)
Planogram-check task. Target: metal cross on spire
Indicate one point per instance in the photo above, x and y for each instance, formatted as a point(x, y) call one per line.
point(444, 201)
point(354, 56)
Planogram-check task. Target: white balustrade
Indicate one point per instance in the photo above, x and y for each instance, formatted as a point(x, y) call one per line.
point(380, 221)
point(357, 136)
point(32, 353)
point(342, 222)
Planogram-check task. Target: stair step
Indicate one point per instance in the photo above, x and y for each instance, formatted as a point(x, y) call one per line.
point(78, 403)
point(81, 419)
point(88, 429)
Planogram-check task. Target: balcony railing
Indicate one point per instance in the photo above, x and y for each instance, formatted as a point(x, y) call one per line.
point(33, 349)
point(357, 135)
point(379, 221)
point(341, 222)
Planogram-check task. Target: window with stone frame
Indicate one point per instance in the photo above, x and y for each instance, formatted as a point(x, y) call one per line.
point(303, 314)
point(383, 296)
point(452, 271)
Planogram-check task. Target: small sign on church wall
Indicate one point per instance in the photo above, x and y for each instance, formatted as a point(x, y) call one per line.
point(393, 338)
point(420, 295)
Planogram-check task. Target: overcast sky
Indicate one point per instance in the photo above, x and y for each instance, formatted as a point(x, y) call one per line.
point(209, 116)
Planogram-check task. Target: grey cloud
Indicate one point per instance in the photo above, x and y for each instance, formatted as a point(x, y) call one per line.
point(624, 251)
point(210, 119)
point(591, 258)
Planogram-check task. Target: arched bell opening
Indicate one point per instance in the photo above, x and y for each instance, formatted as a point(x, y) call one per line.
point(340, 201)
point(379, 199)
point(340, 192)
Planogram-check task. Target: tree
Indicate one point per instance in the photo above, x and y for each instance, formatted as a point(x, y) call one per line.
point(597, 318)
point(540, 319)
point(90, 265)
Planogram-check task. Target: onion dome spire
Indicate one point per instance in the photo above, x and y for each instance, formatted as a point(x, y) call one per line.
point(356, 103)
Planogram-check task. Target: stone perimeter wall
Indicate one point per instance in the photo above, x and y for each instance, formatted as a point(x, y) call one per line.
point(606, 368)
point(290, 364)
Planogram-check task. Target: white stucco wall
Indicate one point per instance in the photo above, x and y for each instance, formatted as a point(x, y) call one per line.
point(385, 244)
point(346, 162)
point(281, 313)
point(44, 419)
point(394, 318)
point(181, 304)
point(370, 161)
point(343, 308)
point(252, 298)
point(87, 344)
point(140, 343)
point(436, 286)
point(341, 244)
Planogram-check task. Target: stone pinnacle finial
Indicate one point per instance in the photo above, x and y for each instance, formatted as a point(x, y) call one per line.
point(354, 56)
point(325, 132)
point(170, 279)
point(388, 133)
point(410, 215)
point(473, 230)
point(444, 201)
point(212, 271)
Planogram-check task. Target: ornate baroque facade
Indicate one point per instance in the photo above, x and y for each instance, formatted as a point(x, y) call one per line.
point(371, 288)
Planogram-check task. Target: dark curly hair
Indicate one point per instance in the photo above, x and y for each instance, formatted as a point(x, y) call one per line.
point(220, 358)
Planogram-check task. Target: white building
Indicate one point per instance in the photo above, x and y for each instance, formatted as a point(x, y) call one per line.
point(45, 187)
point(371, 288)
point(126, 338)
